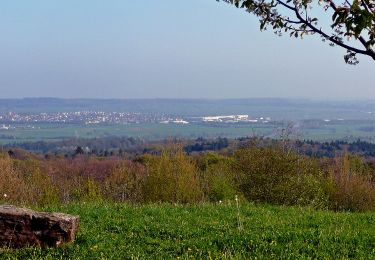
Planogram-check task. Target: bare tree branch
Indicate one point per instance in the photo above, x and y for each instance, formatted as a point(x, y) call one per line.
point(352, 20)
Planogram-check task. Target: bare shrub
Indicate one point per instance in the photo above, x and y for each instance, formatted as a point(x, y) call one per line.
point(351, 185)
point(13, 188)
point(125, 183)
point(79, 178)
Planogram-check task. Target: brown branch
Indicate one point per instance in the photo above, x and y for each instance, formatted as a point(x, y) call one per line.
point(364, 4)
point(368, 52)
point(313, 29)
point(290, 21)
point(287, 6)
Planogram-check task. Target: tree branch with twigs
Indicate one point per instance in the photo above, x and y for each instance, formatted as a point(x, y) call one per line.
point(352, 25)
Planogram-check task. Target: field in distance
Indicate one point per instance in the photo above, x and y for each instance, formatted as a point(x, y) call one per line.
point(312, 130)
point(49, 119)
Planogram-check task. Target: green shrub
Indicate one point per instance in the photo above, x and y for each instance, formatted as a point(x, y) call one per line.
point(273, 176)
point(217, 177)
point(85, 189)
point(171, 177)
point(306, 190)
point(42, 190)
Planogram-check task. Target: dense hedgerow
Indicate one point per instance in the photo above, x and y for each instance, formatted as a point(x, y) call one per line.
point(259, 174)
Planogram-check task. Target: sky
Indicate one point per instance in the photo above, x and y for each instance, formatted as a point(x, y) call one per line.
point(164, 49)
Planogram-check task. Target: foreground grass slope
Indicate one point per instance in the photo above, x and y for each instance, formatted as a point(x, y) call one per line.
point(169, 231)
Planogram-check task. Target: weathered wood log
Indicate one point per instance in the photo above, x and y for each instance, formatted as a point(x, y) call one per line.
point(20, 227)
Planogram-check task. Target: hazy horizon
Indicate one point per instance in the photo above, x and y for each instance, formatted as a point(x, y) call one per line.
point(312, 99)
point(171, 49)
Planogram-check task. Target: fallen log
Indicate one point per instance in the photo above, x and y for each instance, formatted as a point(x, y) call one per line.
point(21, 227)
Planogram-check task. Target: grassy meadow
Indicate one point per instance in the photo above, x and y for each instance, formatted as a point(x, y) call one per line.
point(57, 132)
point(150, 131)
point(160, 231)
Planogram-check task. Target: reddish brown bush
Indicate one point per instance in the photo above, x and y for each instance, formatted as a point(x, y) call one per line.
point(350, 185)
point(125, 182)
point(13, 188)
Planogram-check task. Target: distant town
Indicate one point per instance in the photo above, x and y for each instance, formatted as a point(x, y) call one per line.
point(99, 117)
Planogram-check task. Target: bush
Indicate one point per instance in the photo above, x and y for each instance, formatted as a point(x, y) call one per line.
point(351, 185)
point(125, 183)
point(171, 177)
point(217, 178)
point(79, 178)
point(259, 174)
point(22, 182)
point(273, 176)
point(41, 190)
point(13, 188)
point(306, 190)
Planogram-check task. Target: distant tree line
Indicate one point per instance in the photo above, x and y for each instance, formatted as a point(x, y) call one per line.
point(334, 148)
point(202, 144)
point(131, 147)
point(92, 145)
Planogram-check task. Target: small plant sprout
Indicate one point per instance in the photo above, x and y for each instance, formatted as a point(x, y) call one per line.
point(239, 222)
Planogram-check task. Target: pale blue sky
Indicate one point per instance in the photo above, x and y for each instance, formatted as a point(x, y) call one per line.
point(163, 48)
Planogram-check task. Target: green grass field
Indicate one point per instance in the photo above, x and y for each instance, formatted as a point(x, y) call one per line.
point(120, 231)
point(57, 132)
